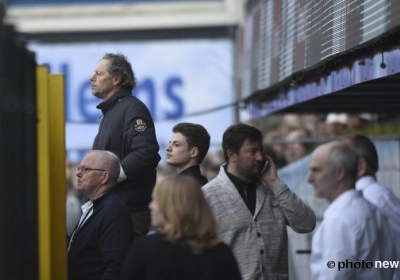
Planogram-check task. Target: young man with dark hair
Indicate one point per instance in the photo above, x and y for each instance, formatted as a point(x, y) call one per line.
point(187, 148)
point(253, 207)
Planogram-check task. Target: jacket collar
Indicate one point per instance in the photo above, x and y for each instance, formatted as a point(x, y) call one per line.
point(97, 204)
point(231, 190)
point(110, 102)
point(194, 169)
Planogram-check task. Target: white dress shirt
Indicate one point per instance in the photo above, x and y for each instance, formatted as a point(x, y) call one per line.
point(389, 204)
point(355, 230)
point(87, 211)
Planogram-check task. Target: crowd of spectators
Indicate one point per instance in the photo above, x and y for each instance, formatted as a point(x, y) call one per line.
point(287, 138)
point(292, 136)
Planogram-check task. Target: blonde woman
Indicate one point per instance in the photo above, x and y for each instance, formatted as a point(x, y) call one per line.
point(186, 245)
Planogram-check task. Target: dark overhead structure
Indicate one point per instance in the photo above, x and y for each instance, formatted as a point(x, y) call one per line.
point(376, 96)
point(304, 57)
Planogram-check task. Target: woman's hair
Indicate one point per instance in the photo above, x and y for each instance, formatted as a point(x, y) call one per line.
point(188, 217)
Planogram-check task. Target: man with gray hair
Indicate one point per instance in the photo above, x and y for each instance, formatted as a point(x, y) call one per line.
point(100, 240)
point(354, 233)
point(127, 129)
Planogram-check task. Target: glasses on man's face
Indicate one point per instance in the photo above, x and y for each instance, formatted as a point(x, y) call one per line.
point(87, 169)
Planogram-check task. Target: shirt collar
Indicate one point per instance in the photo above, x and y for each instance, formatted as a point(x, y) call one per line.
point(341, 200)
point(363, 182)
point(237, 182)
point(85, 207)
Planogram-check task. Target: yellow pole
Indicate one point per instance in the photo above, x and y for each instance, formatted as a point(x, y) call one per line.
point(43, 151)
point(51, 175)
point(57, 178)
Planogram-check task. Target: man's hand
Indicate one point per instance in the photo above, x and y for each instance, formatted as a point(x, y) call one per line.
point(270, 176)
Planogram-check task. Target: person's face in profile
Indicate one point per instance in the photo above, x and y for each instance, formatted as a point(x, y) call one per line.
point(101, 81)
point(178, 152)
point(89, 175)
point(322, 175)
point(157, 218)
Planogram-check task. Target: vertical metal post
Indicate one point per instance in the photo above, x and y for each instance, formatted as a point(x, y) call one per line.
point(57, 169)
point(51, 175)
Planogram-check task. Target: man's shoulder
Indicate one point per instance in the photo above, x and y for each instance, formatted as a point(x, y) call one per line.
point(136, 108)
point(133, 101)
point(377, 188)
point(355, 212)
point(114, 205)
point(211, 185)
point(216, 191)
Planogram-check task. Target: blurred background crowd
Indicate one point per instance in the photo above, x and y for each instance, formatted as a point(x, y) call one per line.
point(287, 139)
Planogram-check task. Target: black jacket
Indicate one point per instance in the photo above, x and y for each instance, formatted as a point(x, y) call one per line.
point(194, 172)
point(153, 258)
point(127, 130)
point(99, 246)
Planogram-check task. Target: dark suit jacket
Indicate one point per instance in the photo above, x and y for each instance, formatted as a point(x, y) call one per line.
point(153, 258)
point(99, 246)
point(194, 172)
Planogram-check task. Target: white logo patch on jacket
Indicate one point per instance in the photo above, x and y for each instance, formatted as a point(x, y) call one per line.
point(140, 125)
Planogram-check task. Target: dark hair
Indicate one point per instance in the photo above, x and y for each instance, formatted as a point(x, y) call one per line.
point(343, 155)
point(196, 136)
point(235, 135)
point(364, 148)
point(120, 66)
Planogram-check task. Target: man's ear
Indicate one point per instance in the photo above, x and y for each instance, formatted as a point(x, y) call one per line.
point(116, 80)
point(362, 168)
point(340, 172)
point(106, 178)
point(231, 155)
point(194, 152)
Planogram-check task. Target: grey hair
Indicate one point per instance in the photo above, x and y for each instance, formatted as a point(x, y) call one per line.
point(108, 161)
point(342, 155)
point(120, 66)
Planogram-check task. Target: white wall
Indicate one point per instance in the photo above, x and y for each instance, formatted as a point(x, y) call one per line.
point(175, 78)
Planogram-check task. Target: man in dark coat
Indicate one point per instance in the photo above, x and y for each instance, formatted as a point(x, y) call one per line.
point(100, 240)
point(127, 130)
point(187, 148)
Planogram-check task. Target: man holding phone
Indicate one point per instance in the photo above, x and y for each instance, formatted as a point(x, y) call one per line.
point(253, 208)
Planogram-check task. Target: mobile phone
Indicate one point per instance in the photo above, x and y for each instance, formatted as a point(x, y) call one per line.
point(264, 166)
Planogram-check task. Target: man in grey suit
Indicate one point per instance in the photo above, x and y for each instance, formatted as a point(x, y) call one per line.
point(252, 206)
